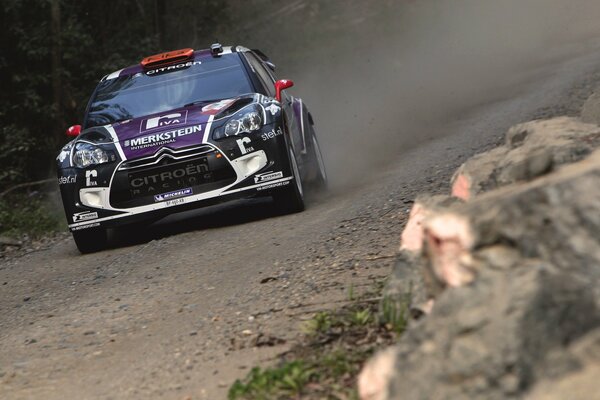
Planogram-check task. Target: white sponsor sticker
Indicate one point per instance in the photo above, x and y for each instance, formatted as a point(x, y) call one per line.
point(164, 121)
point(173, 67)
point(273, 185)
point(243, 145)
point(273, 109)
point(267, 176)
point(84, 216)
point(271, 134)
point(173, 195)
point(88, 177)
point(65, 180)
point(63, 156)
point(78, 228)
point(160, 139)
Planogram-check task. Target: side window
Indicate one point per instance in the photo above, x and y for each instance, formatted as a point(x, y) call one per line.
point(262, 73)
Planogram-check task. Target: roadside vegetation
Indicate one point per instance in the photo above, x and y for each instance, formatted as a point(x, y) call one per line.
point(331, 351)
point(29, 216)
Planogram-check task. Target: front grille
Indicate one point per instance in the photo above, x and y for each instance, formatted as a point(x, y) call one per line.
point(201, 169)
point(166, 154)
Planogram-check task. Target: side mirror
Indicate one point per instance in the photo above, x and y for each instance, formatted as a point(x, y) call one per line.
point(280, 86)
point(73, 131)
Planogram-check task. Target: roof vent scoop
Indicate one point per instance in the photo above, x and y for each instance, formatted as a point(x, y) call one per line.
point(216, 49)
point(168, 58)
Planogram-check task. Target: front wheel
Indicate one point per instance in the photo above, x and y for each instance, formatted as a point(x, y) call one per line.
point(90, 240)
point(291, 199)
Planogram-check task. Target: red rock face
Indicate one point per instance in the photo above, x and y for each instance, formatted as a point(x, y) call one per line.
point(374, 378)
point(461, 187)
point(449, 240)
point(412, 235)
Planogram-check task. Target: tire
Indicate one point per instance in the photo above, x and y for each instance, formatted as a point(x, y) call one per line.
point(291, 199)
point(319, 179)
point(90, 240)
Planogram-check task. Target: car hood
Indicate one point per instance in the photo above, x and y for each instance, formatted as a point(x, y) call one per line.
point(177, 128)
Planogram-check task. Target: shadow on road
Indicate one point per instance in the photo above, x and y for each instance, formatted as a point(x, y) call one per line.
point(217, 216)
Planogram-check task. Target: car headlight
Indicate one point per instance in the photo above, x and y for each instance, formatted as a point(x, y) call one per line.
point(247, 120)
point(86, 154)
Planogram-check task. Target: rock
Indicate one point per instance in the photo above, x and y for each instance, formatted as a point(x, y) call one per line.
point(580, 380)
point(531, 150)
point(448, 245)
point(373, 379)
point(412, 235)
point(6, 241)
point(406, 279)
point(488, 340)
point(591, 109)
point(476, 175)
point(516, 272)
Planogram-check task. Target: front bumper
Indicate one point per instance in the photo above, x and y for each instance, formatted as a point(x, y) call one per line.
point(170, 181)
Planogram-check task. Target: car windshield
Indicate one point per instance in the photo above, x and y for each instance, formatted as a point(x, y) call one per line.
point(141, 94)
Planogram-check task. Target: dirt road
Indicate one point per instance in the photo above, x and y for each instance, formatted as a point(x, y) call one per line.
point(186, 306)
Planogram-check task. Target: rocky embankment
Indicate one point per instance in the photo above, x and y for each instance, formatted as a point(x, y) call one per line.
point(504, 274)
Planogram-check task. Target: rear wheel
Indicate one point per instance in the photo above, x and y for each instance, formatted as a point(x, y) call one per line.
point(90, 240)
point(291, 199)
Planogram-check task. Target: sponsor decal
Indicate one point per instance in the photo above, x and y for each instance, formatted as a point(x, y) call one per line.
point(187, 173)
point(215, 108)
point(242, 144)
point(65, 180)
point(273, 109)
point(89, 175)
point(163, 121)
point(173, 67)
point(84, 216)
point(78, 228)
point(161, 139)
point(267, 176)
point(272, 134)
point(173, 195)
point(65, 151)
point(273, 185)
point(63, 156)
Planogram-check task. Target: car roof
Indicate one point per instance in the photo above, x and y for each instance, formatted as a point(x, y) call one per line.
point(198, 55)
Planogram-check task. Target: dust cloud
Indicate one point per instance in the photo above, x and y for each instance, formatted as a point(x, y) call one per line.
point(382, 76)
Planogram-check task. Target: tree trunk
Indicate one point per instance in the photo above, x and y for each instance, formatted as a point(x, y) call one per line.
point(161, 17)
point(55, 67)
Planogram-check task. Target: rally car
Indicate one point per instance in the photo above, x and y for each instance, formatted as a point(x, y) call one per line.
point(182, 130)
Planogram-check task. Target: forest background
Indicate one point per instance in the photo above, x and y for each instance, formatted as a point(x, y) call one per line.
point(54, 52)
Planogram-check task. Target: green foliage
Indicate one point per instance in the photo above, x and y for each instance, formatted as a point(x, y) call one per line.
point(338, 363)
point(361, 317)
point(394, 313)
point(320, 323)
point(29, 214)
point(42, 95)
point(335, 347)
point(351, 294)
point(273, 383)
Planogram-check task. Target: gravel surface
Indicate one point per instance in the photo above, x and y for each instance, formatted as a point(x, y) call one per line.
point(190, 304)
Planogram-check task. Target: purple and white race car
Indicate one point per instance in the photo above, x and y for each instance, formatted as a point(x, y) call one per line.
point(182, 130)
